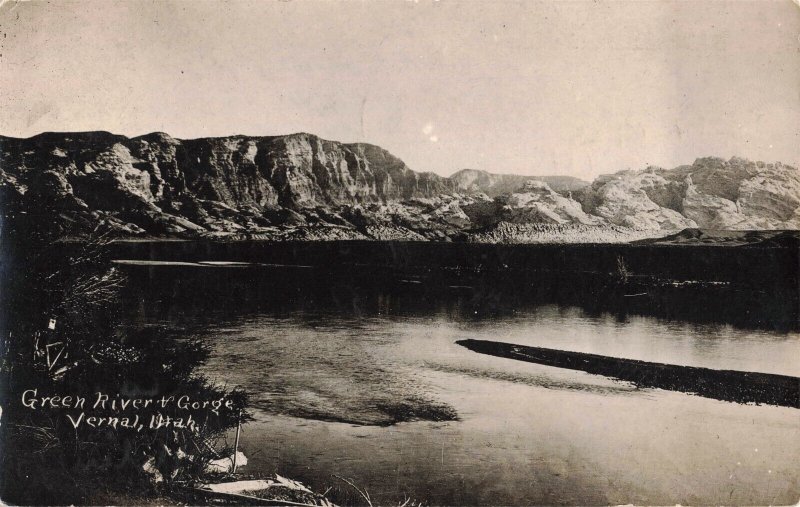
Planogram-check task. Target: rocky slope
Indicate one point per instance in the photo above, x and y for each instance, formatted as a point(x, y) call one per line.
point(301, 187)
point(712, 193)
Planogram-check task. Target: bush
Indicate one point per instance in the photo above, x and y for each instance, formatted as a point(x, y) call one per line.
point(45, 458)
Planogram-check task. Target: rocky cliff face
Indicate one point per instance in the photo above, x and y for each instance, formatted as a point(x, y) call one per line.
point(290, 171)
point(302, 187)
point(639, 200)
point(712, 193)
point(161, 185)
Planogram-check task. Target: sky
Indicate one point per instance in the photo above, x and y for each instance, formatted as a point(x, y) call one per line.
point(535, 88)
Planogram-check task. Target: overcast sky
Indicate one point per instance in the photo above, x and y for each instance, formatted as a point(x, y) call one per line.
point(517, 87)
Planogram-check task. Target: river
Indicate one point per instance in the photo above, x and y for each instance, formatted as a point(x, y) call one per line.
point(353, 376)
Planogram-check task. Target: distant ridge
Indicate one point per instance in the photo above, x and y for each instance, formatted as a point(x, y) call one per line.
point(476, 180)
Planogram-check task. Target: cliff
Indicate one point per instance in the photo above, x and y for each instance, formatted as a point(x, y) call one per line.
point(712, 193)
point(301, 187)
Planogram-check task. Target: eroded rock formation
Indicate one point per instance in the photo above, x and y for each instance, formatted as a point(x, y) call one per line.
point(301, 187)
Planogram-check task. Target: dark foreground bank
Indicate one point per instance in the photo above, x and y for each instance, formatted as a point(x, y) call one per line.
point(726, 385)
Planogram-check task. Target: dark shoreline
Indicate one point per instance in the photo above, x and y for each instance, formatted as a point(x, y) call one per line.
point(752, 287)
point(725, 385)
point(757, 265)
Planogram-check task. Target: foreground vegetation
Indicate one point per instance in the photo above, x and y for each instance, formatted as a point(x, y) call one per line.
point(63, 336)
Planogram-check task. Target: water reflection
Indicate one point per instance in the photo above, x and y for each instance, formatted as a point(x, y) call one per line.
point(206, 291)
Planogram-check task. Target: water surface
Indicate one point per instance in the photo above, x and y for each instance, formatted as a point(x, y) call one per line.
point(364, 380)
